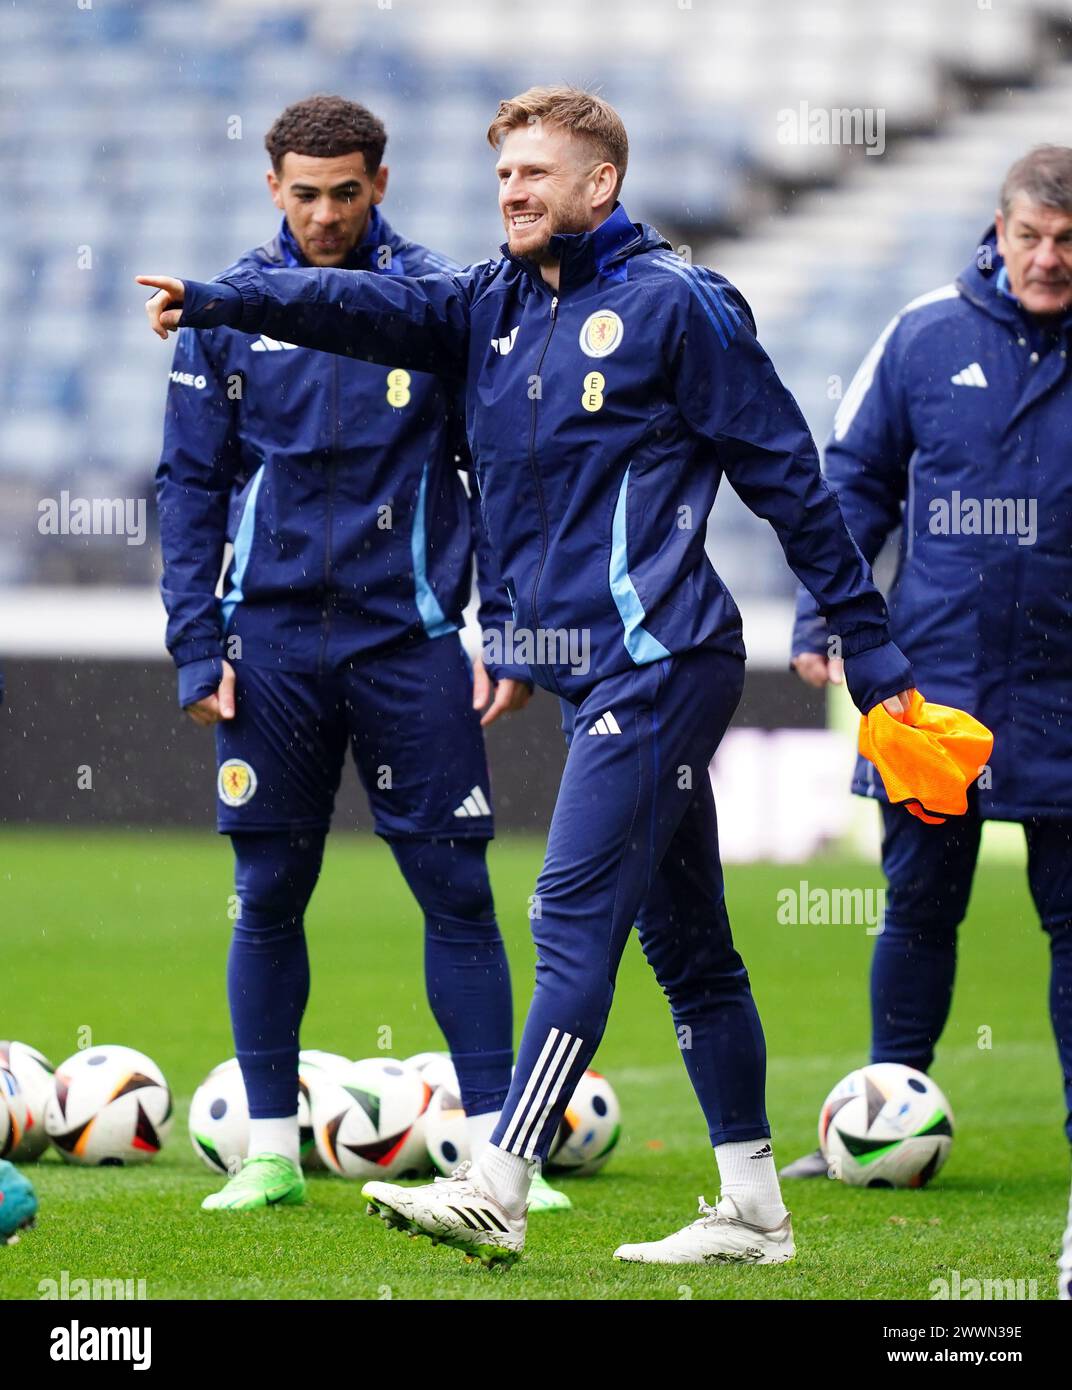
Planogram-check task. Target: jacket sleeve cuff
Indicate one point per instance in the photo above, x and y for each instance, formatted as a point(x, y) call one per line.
point(210, 305)
point(874, 675)
point(199, 679)
point(509, 673)
point(196, 649)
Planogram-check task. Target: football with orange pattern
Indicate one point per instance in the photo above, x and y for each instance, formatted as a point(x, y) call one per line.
point(111, 1105)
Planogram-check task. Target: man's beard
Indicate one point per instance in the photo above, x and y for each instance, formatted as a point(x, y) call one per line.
point(569, 221)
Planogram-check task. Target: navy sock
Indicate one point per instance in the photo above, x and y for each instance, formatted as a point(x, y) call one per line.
point(466, 971)
point(268, 965)
point(912, 974)
point(929, 870)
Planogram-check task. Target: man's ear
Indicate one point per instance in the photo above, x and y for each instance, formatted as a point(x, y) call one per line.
point(275, 188)
point(604, 182)
point(379, 184)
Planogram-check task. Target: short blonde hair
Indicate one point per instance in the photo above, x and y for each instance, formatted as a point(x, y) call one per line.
point(581, 113)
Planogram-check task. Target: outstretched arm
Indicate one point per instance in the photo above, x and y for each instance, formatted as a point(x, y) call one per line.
point(417, 322)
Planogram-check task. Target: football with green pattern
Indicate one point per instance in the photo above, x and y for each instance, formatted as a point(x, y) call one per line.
point(885, 1125)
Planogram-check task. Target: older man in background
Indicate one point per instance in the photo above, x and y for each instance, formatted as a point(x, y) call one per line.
point(956, 431)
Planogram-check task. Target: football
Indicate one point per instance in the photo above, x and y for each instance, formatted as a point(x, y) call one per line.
point(12, 1113)
point(111, 1106)
point(219, 1118)
point(446, 1132)
point(436, 1068)
point(333, 1063)
point(314, 1068)
point(885, 1125)
point(370, 1122)
point(590, 1129)
point(33, 1071)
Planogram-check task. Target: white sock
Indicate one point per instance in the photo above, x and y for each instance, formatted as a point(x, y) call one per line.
point(749, 1176)
point(480, 1128)
point(506, 1177)
point(275, 1136)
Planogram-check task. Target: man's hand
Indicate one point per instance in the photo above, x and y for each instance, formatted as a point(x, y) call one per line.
point(510, 695)
point(162, 308)
point(214, 708)
point(815, 669)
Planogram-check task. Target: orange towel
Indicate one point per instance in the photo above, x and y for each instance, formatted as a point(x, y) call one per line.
point(927, 758)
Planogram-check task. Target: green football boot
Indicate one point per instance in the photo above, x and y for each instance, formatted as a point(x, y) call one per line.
point(544, 1197)
point(269, 1180)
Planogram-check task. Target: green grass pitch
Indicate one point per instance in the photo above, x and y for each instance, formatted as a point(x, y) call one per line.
point(126, 934)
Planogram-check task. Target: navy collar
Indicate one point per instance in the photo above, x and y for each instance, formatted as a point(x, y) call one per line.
point(363, 256)
point(583, 256)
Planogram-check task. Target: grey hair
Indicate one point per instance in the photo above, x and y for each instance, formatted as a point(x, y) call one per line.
point(1044, 175)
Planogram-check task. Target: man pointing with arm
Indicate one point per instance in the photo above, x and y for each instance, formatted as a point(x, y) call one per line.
point(609, 386)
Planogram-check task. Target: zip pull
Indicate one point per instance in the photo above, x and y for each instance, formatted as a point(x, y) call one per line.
point(554, 305)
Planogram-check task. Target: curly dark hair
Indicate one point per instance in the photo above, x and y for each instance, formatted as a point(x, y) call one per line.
point(326, 126)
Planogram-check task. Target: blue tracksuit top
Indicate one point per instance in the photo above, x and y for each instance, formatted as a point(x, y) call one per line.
point(601, 420)
point(335, 480)
point(955, 434)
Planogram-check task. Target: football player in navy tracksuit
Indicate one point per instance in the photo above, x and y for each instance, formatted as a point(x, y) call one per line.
point(609, 386)
point(965, 402)
point(337, 483)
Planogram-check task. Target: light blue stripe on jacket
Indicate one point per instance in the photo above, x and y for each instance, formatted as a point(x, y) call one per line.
point(639, 643)
point(436, 624)
point(243, 544)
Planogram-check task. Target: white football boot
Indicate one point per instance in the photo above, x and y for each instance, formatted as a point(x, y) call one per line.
point(719, 1236)
point(453, 1211)
point(1064, 1264)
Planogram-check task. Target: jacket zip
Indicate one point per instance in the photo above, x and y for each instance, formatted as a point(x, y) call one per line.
point(325, 630)
point(535, 471)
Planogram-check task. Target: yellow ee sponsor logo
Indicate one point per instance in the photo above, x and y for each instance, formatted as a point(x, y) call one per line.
point(592, 395)
point(398, 388)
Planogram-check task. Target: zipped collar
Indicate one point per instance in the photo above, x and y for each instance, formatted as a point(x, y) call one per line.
point(987, 287)
point(601, 253)
point(284, 250)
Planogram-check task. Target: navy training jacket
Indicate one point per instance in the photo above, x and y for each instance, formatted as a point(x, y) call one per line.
point(601, 420)
point(955, 433)
point(337, 483)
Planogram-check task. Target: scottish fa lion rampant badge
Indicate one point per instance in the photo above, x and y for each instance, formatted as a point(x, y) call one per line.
point(601, 333)
point(236, 782)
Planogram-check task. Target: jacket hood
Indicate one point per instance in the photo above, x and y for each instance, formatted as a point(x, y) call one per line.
point(602, 252)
